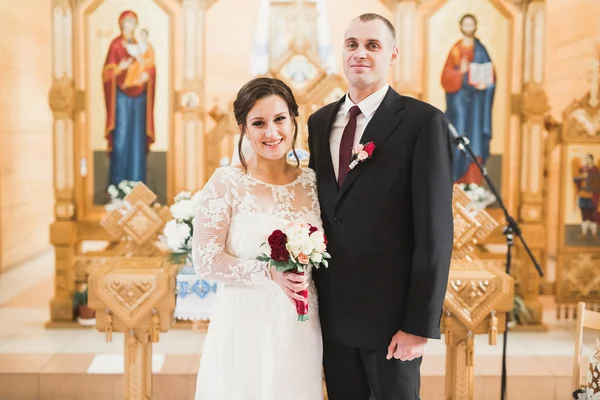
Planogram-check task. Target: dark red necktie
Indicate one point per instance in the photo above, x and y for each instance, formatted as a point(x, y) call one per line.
point(346, 144)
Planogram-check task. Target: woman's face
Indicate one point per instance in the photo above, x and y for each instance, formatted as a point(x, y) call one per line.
point(270, 128)
point(129, 25)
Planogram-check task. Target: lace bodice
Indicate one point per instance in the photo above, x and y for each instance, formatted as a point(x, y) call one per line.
point(235, 215)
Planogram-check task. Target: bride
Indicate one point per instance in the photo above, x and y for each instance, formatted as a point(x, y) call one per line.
point(255, 347)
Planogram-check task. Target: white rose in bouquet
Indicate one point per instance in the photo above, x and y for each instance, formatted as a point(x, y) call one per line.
point(307, 247)
point(318, 240)
point(316, 258)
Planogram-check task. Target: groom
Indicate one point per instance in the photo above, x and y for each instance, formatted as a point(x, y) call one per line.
point(388, 220)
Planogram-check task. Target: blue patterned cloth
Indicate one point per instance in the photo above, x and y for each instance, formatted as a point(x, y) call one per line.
point(195, 296)
point(200, 288)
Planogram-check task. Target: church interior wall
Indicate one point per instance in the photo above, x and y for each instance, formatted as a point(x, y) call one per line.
point(26, 189)
point(228, 50)
point(572, 40)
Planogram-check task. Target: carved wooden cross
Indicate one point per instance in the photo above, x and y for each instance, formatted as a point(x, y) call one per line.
point(475, 287)
point(470, 227)
point(137, 223)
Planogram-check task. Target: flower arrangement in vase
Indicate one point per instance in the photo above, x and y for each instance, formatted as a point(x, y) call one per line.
point(178, 232)
point(118, 193)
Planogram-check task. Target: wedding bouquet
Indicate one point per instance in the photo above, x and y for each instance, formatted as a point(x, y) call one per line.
point(294, 250)
point(178, 231)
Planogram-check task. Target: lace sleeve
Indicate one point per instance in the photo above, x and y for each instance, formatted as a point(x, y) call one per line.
point(211, 225)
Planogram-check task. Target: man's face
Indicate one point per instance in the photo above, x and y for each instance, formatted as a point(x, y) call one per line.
point(589, 160)
point(468, 27)
point(369, 51)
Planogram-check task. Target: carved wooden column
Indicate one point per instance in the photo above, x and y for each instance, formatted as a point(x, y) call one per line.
point(478, 297)
point(190, 99)
point(531, 204)
point(62, 101)
point(133, 290)
point(405, 20)
point(135, 297)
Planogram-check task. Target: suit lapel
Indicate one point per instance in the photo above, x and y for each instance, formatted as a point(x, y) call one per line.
point(385, 120)
point(330, 173)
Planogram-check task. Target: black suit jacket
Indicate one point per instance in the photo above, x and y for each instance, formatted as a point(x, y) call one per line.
point(389, 227)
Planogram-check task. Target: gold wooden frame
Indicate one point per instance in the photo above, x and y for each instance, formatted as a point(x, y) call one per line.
point(507, 189)
point(586, 260)
point(76, 220)
point(86, 209)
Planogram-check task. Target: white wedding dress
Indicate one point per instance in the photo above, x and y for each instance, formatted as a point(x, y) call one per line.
point(256, 349)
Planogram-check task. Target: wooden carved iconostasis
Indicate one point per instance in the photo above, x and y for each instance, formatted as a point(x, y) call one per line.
point(578, 256)
point(292, 44)
point(127, 98)
point(481, 61)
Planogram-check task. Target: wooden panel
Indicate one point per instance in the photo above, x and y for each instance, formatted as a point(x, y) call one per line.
point(26, 196)
point(572, 33)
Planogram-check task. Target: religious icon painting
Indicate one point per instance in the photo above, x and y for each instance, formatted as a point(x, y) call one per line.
point(128, 73)
point(581, 195)
point(467, 76)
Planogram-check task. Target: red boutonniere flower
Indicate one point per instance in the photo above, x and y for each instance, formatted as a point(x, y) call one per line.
point(360, 153)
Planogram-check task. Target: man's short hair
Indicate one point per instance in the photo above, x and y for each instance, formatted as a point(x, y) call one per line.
point(372, 17)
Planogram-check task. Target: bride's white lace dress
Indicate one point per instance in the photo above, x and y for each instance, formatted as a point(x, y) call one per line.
point(255, 348)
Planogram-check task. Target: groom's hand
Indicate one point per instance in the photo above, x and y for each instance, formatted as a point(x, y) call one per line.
point(406, 347)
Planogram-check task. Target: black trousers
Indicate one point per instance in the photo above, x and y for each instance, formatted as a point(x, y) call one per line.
point(358, 374)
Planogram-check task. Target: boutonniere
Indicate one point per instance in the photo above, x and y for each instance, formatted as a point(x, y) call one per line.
point(360, 153)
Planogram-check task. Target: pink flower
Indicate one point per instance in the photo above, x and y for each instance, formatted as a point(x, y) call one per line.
point(357, 149)
point(303, 259)
point(363, 155)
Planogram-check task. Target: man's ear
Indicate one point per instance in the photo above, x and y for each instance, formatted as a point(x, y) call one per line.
point(394, 55)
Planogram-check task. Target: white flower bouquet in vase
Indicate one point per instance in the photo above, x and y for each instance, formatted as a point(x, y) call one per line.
point(479, 195)
point(118, 193)
point(195, 296)
point(178, 231)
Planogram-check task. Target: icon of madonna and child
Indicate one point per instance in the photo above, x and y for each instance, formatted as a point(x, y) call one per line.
point(129, 81)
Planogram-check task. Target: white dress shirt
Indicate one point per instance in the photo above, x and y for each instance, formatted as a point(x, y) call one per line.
point(367, 109)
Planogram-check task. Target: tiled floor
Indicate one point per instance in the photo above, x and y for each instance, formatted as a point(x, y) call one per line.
point(33, 360)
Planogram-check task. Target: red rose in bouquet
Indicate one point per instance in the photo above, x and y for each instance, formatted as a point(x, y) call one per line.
point(300, 246)
point(277, 242)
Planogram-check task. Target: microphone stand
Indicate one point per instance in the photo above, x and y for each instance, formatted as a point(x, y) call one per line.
point(511, 229)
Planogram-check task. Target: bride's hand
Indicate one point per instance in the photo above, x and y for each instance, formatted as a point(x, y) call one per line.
point(290, 283)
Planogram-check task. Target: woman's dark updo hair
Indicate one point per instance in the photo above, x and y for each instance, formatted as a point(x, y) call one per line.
point(255, 90)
